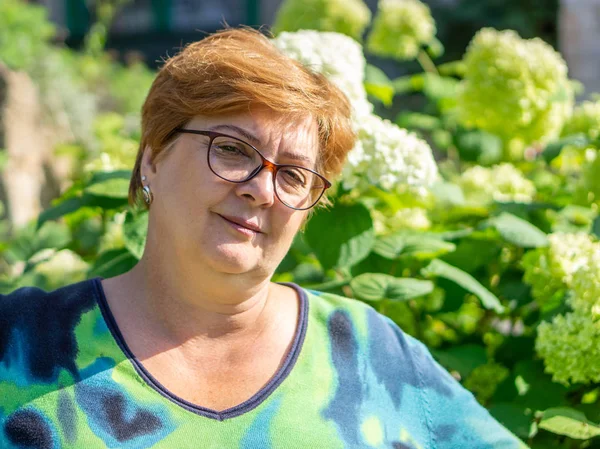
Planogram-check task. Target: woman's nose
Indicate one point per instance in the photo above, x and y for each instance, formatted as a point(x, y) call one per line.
point(260, 189)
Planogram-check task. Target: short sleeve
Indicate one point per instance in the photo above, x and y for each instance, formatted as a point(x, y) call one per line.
point(455, 418)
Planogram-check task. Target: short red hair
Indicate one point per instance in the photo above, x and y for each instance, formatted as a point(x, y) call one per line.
point(226, 73)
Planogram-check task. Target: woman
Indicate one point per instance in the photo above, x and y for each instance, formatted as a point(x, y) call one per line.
point(195, 347)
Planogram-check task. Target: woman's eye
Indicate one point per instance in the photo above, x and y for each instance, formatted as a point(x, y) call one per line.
point(231, 150)
point(295, 177)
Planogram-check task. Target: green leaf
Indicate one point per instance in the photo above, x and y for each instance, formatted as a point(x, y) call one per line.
point(465, 280)
point(378, 84)
point(63, 208)
point(112, 263)
point(102, 176)
point(569, 422)
point(341, 236)
point(110, 188)
point(416, 120)
point(378, 286)
point(135, 228)
point(417, 245)
point(519, 232)
point(464, 358)
point(596, 227)
point(479, 146)
point(52, 235)
point(513, 416)
point(553, 149)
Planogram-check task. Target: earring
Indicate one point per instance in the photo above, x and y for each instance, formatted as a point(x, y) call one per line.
point(148, 197)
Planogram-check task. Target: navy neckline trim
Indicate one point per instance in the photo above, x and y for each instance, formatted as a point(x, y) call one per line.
point(246, 406)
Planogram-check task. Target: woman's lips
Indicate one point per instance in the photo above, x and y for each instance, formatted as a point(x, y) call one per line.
point(241, 225)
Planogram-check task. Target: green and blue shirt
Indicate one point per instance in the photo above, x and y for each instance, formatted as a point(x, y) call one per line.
point(352, 379)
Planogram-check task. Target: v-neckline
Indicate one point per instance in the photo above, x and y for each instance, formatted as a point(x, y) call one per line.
point(258, 398)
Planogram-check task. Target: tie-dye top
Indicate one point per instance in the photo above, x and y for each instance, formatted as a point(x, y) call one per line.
point(352, 379)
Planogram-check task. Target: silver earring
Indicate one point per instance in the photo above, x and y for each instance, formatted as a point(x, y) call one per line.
point(148, 197)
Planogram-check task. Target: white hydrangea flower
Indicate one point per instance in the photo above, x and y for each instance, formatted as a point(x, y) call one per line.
point(502, 182)
point(409, 218)
point(390, 157)
point(338, 57)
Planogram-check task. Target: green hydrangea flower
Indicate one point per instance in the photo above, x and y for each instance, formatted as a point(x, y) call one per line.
point(349, 17)
point(585, 119)
point(515, 88)
point(570, 347)
point(502, 182)
point(550, 271)
point(400, 29)
point(586, 284)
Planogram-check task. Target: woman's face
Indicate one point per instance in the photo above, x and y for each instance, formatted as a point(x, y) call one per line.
point(232, 228)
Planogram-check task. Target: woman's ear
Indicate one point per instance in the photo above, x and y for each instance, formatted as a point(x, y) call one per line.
point(148, 165)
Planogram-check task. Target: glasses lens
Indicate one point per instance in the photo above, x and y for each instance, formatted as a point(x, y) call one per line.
point(297, 187)
point(233, 159)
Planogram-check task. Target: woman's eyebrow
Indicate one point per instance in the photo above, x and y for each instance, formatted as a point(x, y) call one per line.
point(241, 131)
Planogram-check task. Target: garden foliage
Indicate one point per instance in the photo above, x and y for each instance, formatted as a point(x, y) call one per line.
point(472, 222)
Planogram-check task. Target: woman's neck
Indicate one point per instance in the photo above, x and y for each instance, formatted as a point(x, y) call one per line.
point(173, 305)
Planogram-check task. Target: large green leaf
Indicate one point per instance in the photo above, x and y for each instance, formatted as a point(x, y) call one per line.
point(407, 244)
point(134, 232)
point(378, 286)
point(341, 236)
point(519, 232)
point(464, 358)
point(110, 188)
point(378, 85)
point(438, 268)
point(112, 263)
point(569, 422)
point(63, 208)
point(516, 418)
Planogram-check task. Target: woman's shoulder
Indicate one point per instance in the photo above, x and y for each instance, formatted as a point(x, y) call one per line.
point(34, 300)
point(37, 328)
point(358, 320)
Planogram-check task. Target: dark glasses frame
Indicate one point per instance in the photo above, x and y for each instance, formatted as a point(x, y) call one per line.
point(272, 166)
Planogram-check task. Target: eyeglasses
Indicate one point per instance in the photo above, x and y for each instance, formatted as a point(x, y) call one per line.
point(236, 161)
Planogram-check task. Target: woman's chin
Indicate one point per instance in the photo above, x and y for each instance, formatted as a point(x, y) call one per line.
point(233, 260)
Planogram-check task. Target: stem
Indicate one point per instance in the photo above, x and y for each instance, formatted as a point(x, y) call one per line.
point(426, 62)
